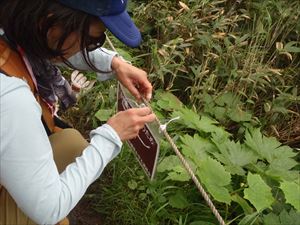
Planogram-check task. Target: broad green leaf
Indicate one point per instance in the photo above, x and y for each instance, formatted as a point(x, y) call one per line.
point(263, 146)
point(294, 216)
point(207, 125)
point(196, 148)
point(188, 118)
point(283, 152)
point(104, 114)
point(168, 101)
point(267, 147)
point(279, 169)
point(227, 99)
point(258, 193)
point(289, 218)
point(168, 163)
point(271, 219)
point(291, 191)
point(238, 115)
point(282, 163)
point(233, 155)
point(219, 112)
point(174, 168)
point(280, 174)
point(215, 178)
point(179, 200)
point(181, 175)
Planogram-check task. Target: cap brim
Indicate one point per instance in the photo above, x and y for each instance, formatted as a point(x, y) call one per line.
point(123, 28)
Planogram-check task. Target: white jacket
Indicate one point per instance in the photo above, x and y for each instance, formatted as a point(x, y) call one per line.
point(27, 168)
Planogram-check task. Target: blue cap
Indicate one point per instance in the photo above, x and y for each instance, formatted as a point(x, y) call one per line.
point(114, 16)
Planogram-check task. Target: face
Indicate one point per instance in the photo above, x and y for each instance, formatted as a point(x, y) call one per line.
point(72, 43)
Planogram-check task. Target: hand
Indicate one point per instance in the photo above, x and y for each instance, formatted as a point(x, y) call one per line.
point(128, 123)
point(133, 78)
point(79, 82)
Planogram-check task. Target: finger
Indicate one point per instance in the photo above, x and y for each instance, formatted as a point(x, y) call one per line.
point(85, 84)
point(74, 75)
point(78, 77)
point(142, 111)
point(148, 118)
point(82, 80)
point(133, 90)
point(91, 84)
point(146, 89)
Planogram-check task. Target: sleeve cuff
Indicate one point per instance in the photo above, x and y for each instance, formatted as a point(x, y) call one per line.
point(109, 133)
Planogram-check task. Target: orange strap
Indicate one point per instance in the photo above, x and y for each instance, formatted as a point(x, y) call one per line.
point(12, 64)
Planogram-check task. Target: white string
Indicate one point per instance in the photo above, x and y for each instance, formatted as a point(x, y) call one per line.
point(163, 127)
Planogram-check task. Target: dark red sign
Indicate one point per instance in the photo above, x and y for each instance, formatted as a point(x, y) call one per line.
point(145, 145)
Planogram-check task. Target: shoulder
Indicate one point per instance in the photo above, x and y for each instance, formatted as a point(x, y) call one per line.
point(15, 94)
point(19, 111)
point(9, 84)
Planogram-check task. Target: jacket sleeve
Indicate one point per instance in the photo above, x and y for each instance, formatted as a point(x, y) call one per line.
point(27, 168)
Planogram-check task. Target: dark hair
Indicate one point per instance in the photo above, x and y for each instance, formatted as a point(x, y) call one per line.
point(26, 23)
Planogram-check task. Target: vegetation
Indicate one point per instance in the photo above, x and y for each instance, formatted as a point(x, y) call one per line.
point(231, 71)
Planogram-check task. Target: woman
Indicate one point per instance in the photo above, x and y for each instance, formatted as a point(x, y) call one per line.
point(43, 177)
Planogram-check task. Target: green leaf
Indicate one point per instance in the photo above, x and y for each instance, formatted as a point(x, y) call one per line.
point(291, 191)
point(279, 169)
point(227, 99)
point(196, 148)
point(284, 218)
point(168, 164)
point(267, 147)
point(290, 47)
point(125, 54)
point(294, 216)
point(218, 112)
point(188, 117)
point(233, 155)
point(132, 184)
point(104, 114)
point(243, 203)
point(263, 146)
point(258, 193)
point(215, 179)
point(249, 219)
point(238, 115)
point(179, 175)
point(168, 101)
point(207, 125)
point(179, 200)
point(173, 166)
point(271, 219)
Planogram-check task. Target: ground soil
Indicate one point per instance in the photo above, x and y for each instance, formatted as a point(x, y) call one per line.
point(83, 214)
